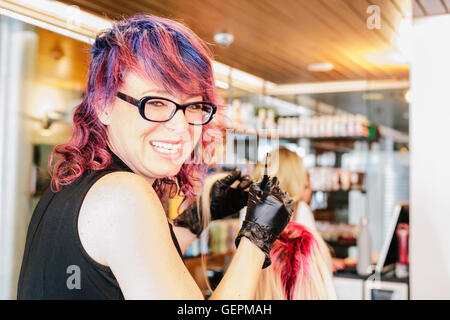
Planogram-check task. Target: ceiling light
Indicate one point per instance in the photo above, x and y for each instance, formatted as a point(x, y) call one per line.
point(386, 57)
point(221, 84)
point(320, 67)
point(408, 96)
point(398, 55)
point(223, 38)
point(240, 79)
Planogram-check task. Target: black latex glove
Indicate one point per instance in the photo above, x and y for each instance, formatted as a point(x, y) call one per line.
point(224, 200)
point(191, 220)
point(268, 212)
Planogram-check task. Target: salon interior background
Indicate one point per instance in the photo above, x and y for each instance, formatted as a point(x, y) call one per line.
point(307, 58)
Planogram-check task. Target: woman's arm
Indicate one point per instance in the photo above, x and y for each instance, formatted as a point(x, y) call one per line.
point(184, 237)
point(127, 230)
point(241, 278)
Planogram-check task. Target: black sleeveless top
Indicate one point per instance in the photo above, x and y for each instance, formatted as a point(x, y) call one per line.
point(55, 264)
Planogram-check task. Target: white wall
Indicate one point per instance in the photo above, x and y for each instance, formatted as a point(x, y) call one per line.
point(430, 159)
point(17, 57)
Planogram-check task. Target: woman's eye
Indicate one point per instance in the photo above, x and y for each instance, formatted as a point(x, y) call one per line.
point(157, 103)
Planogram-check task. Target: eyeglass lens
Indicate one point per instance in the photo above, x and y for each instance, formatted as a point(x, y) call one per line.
point(162, 110)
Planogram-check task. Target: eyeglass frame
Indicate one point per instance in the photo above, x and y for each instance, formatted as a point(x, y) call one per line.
point(141, 106)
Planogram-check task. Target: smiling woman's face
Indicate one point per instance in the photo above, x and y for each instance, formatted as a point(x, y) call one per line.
point(151, 149)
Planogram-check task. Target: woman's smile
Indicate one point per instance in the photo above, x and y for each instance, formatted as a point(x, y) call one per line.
point(169, 149)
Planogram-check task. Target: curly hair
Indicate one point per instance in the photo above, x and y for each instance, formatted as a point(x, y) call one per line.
point(161, 50)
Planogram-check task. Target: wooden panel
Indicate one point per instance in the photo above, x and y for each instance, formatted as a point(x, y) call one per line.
point(390, 15)
point(387, 30)
point(433, 7)
point(418, 9)
point(446, 4)
point(353, 36)
point(276, 40)
point(423, 8)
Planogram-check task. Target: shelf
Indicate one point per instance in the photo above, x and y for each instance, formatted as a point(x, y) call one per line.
point(340, 243)
point(319, 144)
point(268, 134)
point(324, 214)
point(340, 146)
point(340, 190)
point(338, 139)
point(351, 273)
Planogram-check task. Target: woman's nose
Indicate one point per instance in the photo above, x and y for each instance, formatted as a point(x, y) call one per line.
point(178, 122)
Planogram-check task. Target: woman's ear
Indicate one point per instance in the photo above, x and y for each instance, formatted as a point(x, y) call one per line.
point(104, 116)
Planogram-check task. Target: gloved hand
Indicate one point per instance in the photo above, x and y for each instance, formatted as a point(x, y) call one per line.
point(191, 219)
point(268, 212)
point(224, 201)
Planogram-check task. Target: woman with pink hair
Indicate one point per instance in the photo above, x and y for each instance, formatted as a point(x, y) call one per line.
point(301, 267)
point(100, 231)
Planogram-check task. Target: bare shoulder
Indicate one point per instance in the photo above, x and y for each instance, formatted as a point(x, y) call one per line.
point(122, 184)
point(112, 207)
point(120, 192)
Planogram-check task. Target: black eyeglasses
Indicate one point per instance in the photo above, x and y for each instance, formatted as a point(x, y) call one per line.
point(159, 109)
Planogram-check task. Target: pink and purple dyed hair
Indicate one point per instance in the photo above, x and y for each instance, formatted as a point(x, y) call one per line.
point(158, 49)
point(290, 255)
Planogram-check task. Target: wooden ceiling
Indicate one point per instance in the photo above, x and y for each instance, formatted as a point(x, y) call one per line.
point(276, 40)
point(423, 8)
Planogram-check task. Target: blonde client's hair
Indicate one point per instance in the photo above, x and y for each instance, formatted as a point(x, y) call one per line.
point(301, 267)
point(288, 167)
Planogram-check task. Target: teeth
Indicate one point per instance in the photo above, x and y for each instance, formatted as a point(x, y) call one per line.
point(165, 150)
point(166, 147)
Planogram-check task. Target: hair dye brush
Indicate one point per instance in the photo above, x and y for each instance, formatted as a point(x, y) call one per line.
point(265, 178)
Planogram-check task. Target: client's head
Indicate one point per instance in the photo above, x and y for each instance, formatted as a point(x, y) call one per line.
point(288, 167)
point(301, 267)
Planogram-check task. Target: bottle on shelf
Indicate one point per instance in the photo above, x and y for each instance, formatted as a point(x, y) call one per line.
point(247, 118)
point(344, 125)
point(363, 266)
point(260, 121)
point(402, 264)
point(270, 120)
point(301, 127)
point(281, 126)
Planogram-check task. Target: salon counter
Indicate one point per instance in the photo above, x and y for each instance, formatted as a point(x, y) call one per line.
point(351, 286)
